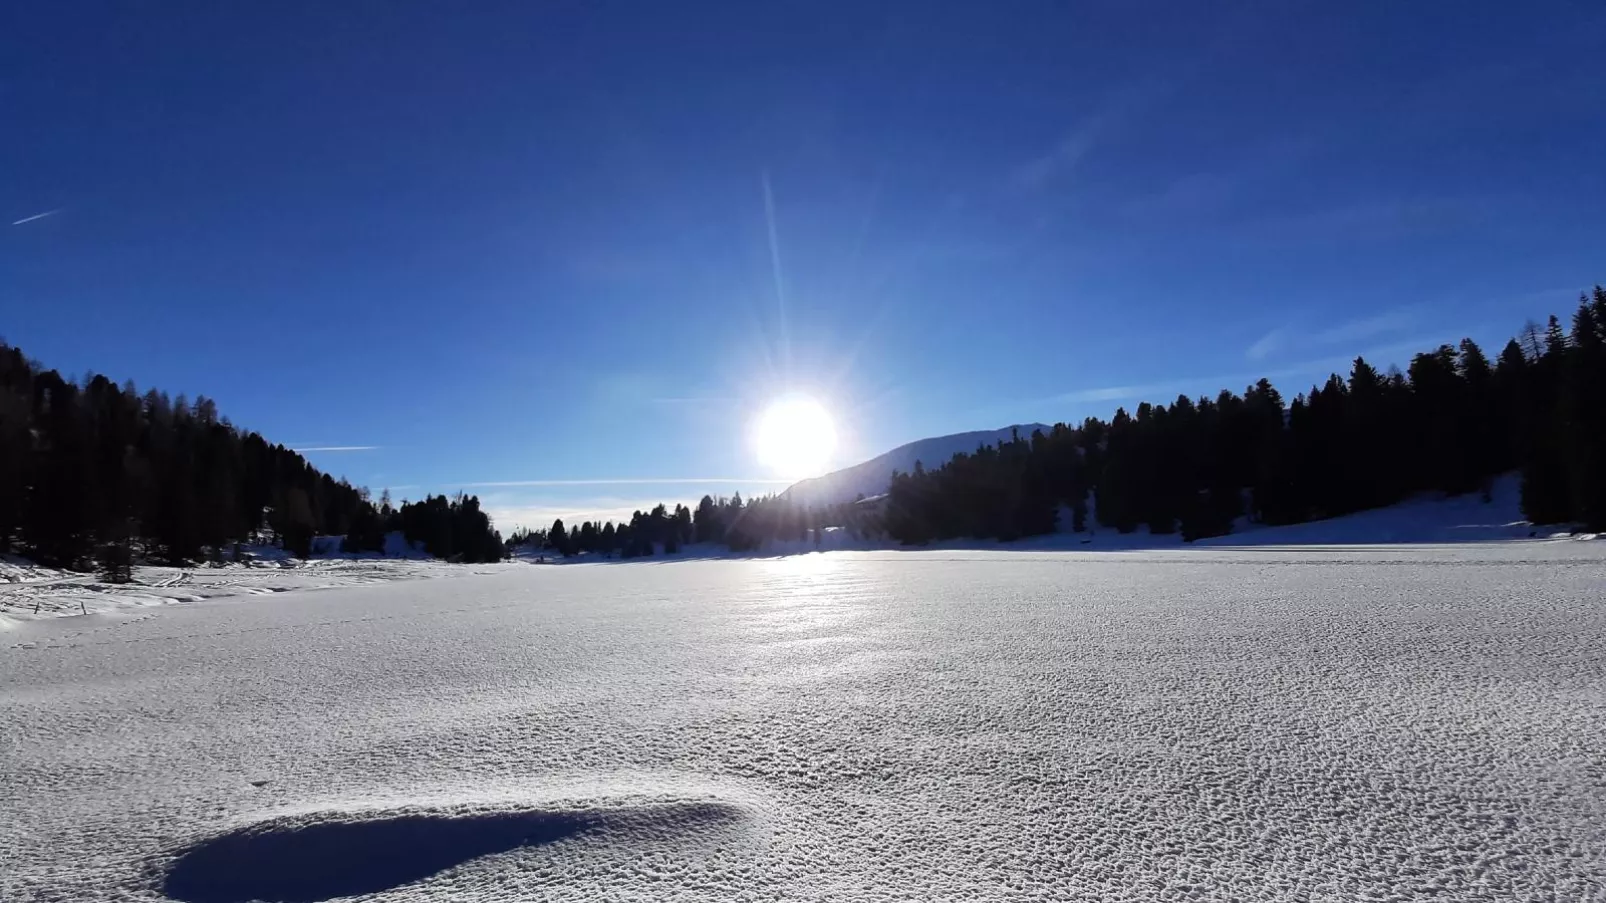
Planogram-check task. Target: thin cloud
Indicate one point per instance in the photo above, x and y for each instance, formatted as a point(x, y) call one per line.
point(1551, 296)
point(1165, 392)
point(1285, 338)
point(1369, 327)
point(1108, 393)
point(1267, 344)
point(692, 401)
point(335, 448)
point(509, 510)
point(29, 219)
point(1384, 219)
point(1091, 131)
point(1213, 193)
point(1191, 196)
point(625, 481)
point(1062, 158)
point(507, 517)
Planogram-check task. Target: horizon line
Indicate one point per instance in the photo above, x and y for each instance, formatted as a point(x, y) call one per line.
point(623, 481)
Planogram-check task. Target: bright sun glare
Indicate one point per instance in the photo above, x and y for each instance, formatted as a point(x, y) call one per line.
point(795, 438)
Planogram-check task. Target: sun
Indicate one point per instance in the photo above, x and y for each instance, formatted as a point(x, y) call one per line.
point(794, 437)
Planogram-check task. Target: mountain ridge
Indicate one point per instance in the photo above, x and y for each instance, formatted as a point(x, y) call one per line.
point(872, 477)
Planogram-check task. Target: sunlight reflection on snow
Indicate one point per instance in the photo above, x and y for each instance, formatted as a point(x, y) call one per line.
point(815, 566)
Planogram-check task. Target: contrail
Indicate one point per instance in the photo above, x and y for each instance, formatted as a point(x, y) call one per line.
point(29, 219)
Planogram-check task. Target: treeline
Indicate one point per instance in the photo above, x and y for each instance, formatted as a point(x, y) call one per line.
point(1450, 423)
point(739, 526)
point(659, 528)
point(92, 471)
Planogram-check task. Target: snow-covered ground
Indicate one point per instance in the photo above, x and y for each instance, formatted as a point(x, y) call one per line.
point(29, 592)
point(1399, 723)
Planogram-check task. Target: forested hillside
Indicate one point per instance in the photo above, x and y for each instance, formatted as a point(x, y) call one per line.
point(93, 471)
point(1450, 423)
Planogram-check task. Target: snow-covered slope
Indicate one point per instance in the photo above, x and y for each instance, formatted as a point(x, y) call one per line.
point(872, 476)
point(1427, 518)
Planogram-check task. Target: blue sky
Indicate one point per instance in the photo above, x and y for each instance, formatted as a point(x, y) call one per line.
point(484, 245)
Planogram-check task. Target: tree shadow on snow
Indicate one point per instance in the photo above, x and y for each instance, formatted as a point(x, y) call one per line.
point(309, 863)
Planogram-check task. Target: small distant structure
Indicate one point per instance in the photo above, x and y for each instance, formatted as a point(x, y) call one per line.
point(867, 517)
point(872, 506)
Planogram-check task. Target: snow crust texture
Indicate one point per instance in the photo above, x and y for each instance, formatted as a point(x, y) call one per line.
point(1409, 723)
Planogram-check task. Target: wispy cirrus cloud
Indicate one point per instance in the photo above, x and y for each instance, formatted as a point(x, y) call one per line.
point(1164, 392)
point(700, 402)
point(36, 216)
point(1109, 393)
point(1375, 220)
point(1396, 320)
point(1085, 136)
point(1187, 198)
point(1267, 344)
point(510, 516)
point(1293, 337)
point(510, 511)
point(1060, 159)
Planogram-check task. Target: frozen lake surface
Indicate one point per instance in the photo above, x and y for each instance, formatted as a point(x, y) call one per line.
point(1401, 723)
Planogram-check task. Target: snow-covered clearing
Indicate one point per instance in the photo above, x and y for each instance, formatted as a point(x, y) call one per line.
point(28, 591)
point(1401, 723)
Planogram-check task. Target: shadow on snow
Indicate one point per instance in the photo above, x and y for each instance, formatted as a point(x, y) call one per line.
point(308, 863)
